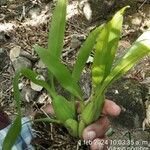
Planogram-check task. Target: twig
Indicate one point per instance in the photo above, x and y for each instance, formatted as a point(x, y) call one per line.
point(142, 4)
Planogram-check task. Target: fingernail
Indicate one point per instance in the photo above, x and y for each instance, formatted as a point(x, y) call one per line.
point(91, 135)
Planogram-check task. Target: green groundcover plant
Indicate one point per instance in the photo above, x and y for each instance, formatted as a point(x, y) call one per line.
point(104, 40)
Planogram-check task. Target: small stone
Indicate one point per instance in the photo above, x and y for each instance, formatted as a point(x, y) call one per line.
point(44, 98)
point(81, 37)
point(21, 62)
point(87, 11)
point(28, 94)
point(36, 87)
point(75, 43)
point(14, 53)
point(34, 12)
point(136, 21)
point(90, 59)
point(41, 99)
point(116, 92)
point(43, 72)
point(28, 56)
point(40, 64)
point(20, 85)
point(3, 57)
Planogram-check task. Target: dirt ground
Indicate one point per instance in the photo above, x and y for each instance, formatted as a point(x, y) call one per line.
point(24, 23)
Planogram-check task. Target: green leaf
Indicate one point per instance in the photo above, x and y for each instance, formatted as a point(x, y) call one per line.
point(138, 50)
point(33, 76)
point(57, 28)
point(60, 71)
point(106, 47)
point(47, 119)
point(115, 28)
point(15, 128)
point(72, 127)
point(84, 53)
point(63, 109)
point(12, 134)
point(101, 52)
point(92, 110)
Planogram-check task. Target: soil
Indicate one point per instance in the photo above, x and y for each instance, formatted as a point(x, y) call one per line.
point(25, 23)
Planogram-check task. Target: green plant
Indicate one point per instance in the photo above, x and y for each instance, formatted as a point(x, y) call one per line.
point(104, 39)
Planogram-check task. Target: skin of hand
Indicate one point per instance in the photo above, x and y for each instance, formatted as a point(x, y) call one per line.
point(96, 131)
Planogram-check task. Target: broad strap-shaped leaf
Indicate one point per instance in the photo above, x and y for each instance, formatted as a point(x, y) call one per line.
point(84, 53)
point(15, 128)
point(106, 47)
point(115, 29)
point(63, 109)
point(57, 28)
point(92, 110)
point(60, 71)
point(99, 64)
point(72, 127)
point(65, 112)
point(138, 50)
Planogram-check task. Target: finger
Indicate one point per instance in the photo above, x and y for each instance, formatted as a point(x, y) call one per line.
point(97, 129)
point(100, 144)
point(111, 108)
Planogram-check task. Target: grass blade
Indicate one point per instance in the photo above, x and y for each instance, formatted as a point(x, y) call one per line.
point(84, 53)
point(60, 71)
point(15, 128)
point(47, 119)
point(12, 134)
point(57, 28)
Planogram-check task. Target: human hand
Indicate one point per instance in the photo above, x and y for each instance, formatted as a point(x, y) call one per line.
point(96, 131)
